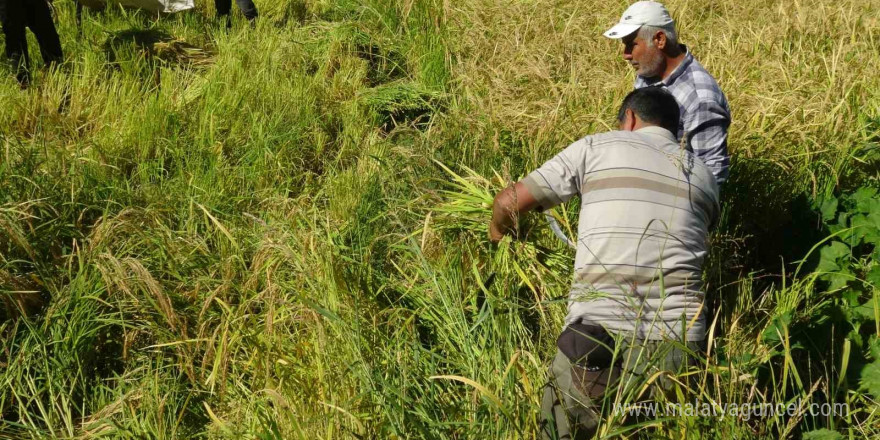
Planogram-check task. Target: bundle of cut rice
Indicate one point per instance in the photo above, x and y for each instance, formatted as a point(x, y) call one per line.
point(182, 53)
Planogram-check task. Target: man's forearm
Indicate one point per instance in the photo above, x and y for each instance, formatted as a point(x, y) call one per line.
point(506, 208)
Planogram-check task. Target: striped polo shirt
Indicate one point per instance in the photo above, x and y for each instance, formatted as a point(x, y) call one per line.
point(646, 209)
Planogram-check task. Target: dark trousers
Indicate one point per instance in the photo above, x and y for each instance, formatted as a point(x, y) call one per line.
point(16, 16)
point(247, 8)
point(567, 410)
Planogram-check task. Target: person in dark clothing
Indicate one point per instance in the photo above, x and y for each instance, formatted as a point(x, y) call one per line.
point(16, 16)
point(247, 8)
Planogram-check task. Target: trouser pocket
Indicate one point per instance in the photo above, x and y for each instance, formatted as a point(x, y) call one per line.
point(590, 349)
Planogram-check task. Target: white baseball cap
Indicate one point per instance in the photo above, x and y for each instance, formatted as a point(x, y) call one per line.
point(639, 14)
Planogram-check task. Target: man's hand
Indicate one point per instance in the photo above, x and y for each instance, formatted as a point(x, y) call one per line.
point(509, 204)
point(495, 234)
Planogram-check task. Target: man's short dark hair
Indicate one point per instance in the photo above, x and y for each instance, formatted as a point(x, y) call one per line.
point(653, 105)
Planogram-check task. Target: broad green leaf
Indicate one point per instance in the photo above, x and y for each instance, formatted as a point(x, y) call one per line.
point(828, 208)
point(862, 228)
point(874, 217)
point(838, 280)
point(873, 276)
point(830, 255)
point(866, 200)
point(870, 378)
point(874, 345)
point(863, 312)
point(842, 222)
point(851, 295)
point(873, 237)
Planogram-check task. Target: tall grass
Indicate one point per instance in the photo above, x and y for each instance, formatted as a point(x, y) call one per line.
point(279, 232)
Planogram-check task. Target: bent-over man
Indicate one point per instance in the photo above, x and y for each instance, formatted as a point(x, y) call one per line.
point(646, 209)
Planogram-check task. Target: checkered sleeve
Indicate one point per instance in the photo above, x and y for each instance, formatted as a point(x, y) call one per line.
point(706, 124)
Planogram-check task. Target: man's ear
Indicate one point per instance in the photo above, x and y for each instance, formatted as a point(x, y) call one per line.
point(660, 40)
point(629, 120)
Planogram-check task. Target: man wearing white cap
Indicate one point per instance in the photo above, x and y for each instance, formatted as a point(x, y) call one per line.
point(651, 47)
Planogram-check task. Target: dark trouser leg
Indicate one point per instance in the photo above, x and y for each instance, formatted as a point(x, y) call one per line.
point(13, 18)
point(39, 19)
point(566, 412)
point(223, 7)
point(247, 8)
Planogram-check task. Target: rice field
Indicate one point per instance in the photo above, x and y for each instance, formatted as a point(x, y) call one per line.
point(280, 231)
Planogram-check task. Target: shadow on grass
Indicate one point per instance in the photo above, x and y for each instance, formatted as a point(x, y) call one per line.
point(132, 51)
point(768, 222)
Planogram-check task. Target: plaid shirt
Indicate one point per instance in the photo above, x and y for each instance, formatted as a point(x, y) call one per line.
point(705, 115)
